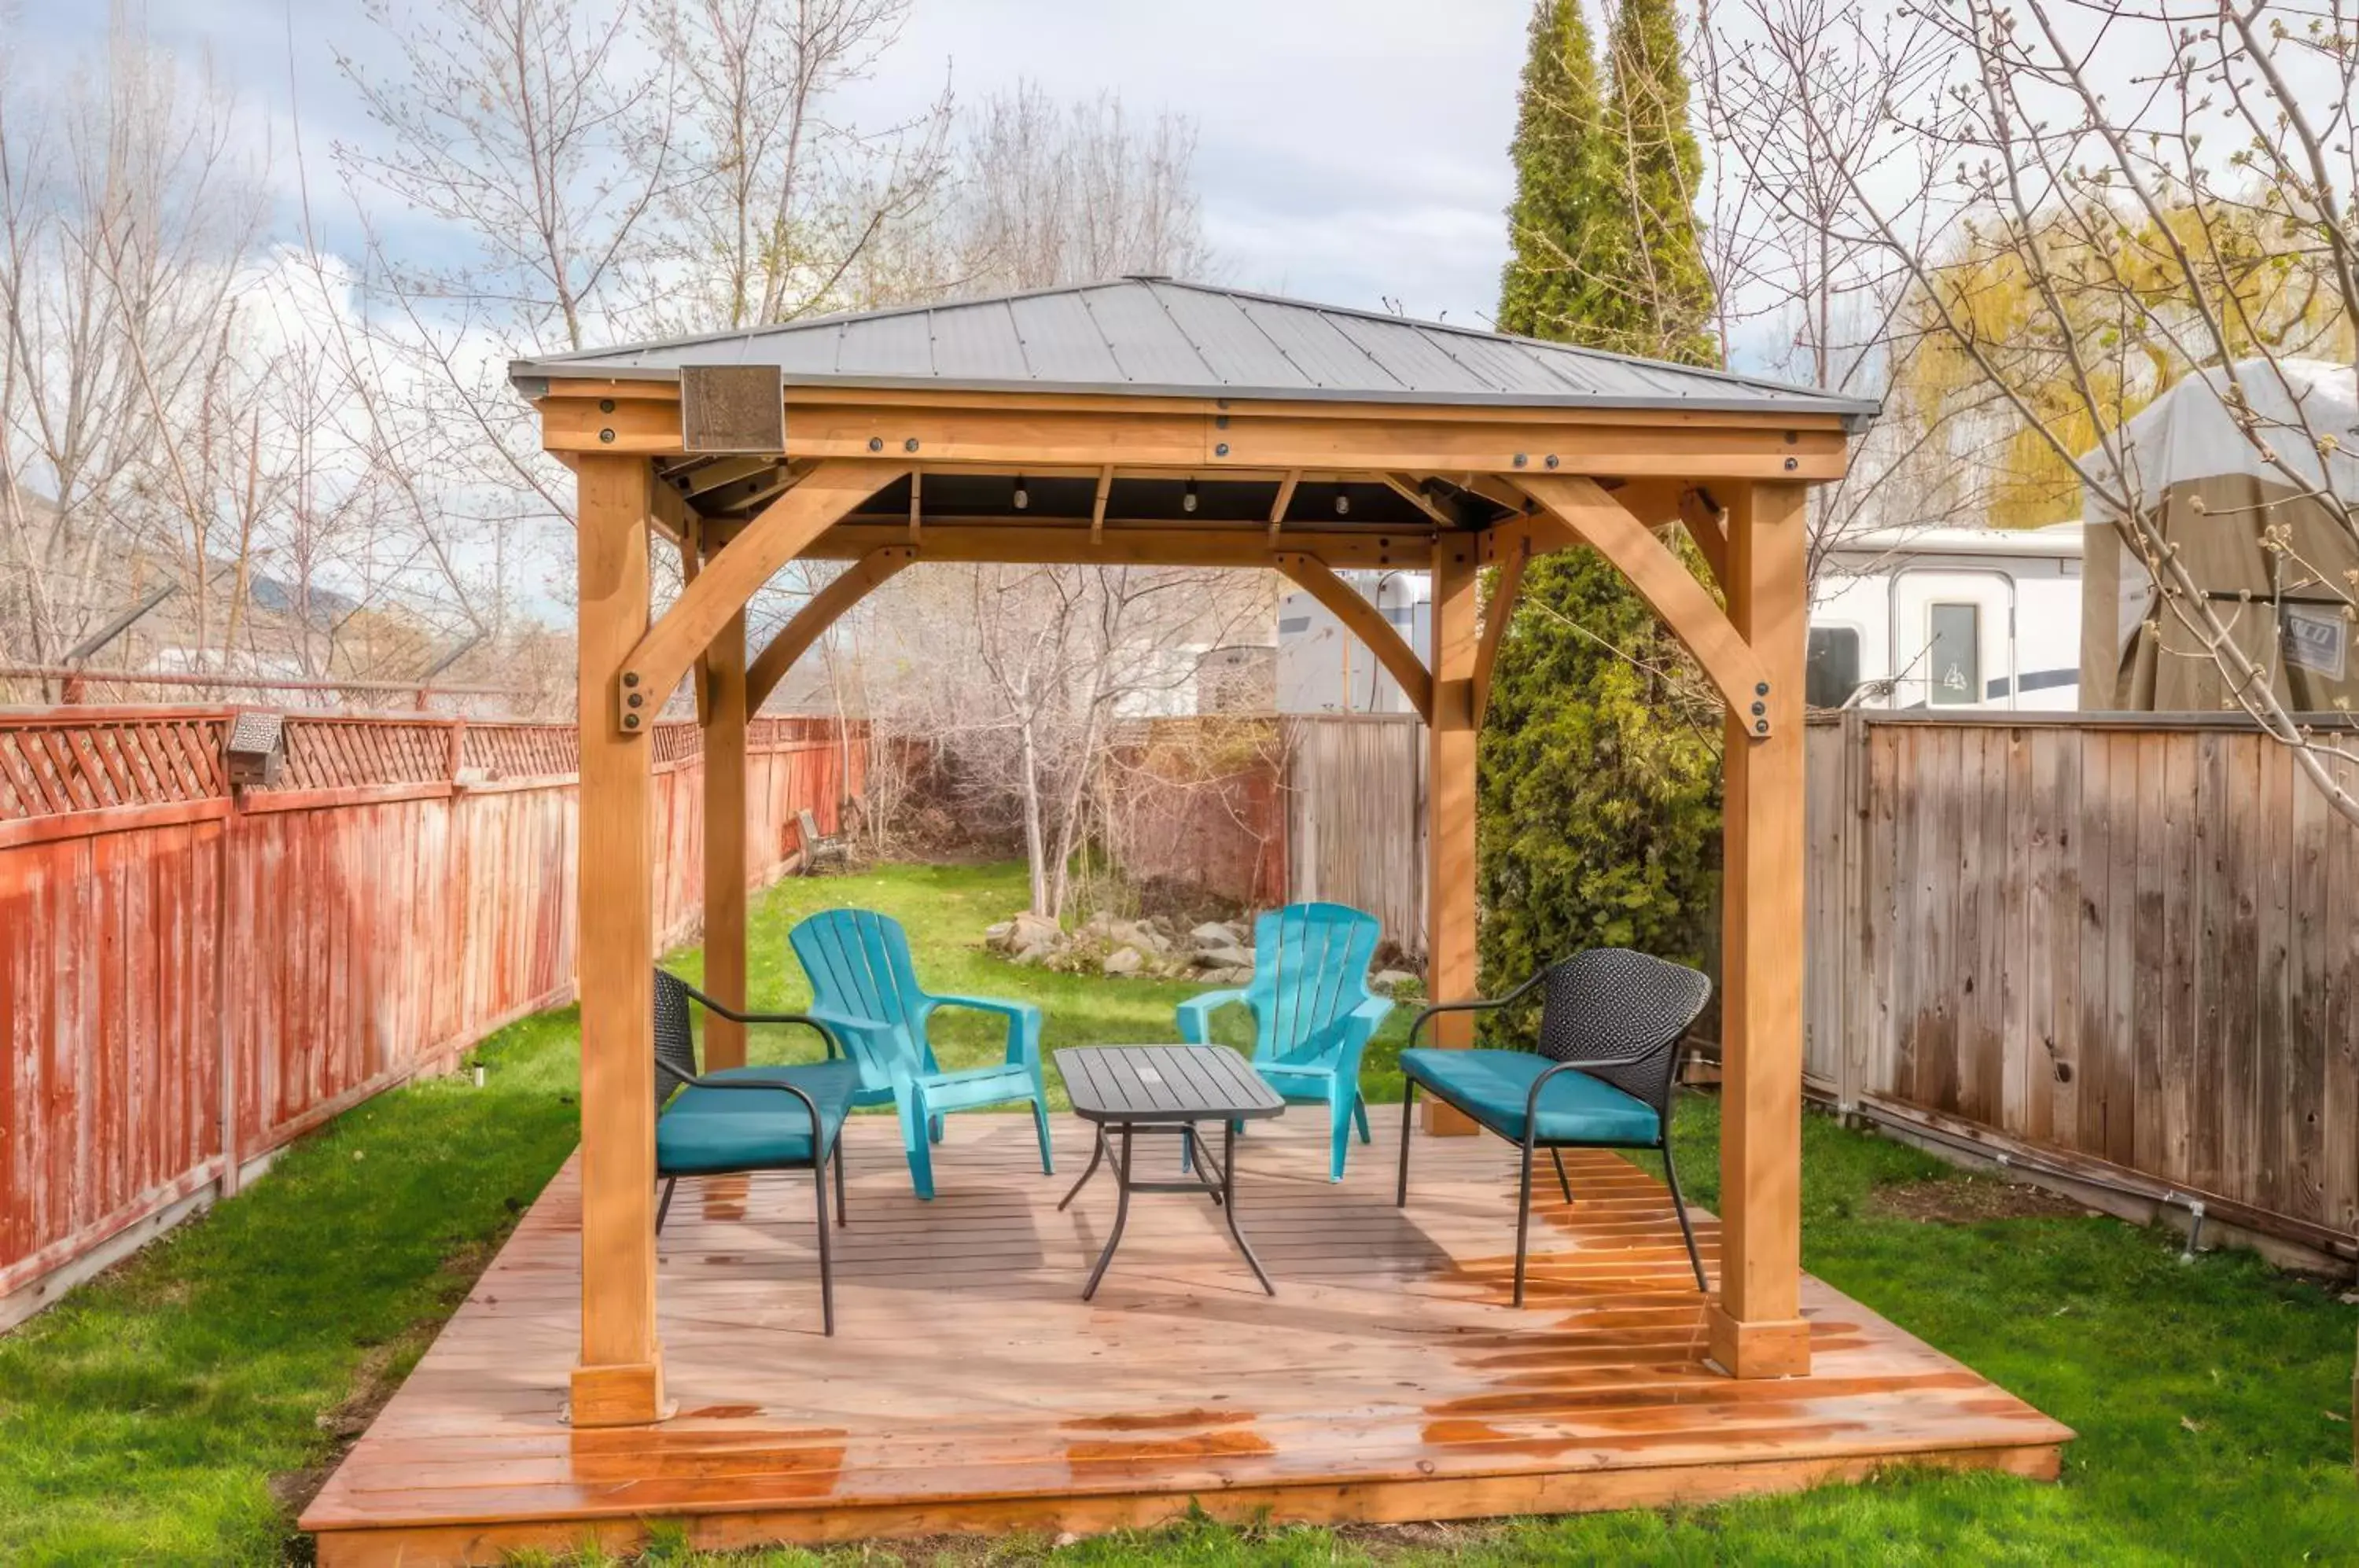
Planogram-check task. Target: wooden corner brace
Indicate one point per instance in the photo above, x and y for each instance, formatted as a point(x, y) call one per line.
point(820, 611)
point(1593, 518)
point(1364, 620)
point(781, 531)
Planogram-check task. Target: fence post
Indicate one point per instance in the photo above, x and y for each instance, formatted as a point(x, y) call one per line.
point(1850, 803)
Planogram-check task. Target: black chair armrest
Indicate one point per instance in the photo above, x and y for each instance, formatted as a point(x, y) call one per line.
point(734, 1017)
point(1477, 1005)
point(1532, 1099)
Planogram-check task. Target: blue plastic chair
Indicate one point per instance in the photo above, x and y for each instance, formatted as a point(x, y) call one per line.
point(1313, 1013)
point(865, 989)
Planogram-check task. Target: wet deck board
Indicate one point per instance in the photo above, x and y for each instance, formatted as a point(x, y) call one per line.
point(968, 1387)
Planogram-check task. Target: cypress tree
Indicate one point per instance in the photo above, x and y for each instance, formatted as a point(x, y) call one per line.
point(1599, 785)
point(1561, 158)
point(1656, 299)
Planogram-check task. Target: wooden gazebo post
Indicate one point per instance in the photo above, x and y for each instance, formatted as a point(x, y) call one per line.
point(1755, 1325)
point(1452, 731)
point(620, 1379)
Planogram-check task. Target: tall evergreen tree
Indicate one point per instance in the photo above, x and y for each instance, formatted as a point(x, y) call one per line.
point(1562, 163)
point(1656, 294)
point(1600, 800)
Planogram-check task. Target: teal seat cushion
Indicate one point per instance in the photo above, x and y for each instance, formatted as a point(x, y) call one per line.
point(709, 1132)
point(1492, 1086)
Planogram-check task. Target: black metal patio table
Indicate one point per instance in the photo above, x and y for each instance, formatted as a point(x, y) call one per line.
point(1134, 1090)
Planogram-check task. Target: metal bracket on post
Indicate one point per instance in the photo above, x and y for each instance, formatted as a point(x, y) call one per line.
point(632, 707)
point(1757, 723)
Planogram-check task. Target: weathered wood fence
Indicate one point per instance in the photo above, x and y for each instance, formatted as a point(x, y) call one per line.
point(1263, 810)
point(191, 976)
point(2127, 944)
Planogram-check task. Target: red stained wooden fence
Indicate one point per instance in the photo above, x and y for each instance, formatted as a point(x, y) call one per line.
point(189, 978)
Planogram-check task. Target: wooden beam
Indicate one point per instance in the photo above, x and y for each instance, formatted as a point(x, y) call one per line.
point(916, 504)
point(668, 514)
point(1700, 514)
point(1308, 436)
point(619, 1379)
point(820, 612)
point(1754, 1327)
point(598, 388)
point(1143, 543)
point(1405, 487)
point(1450, 964)
point(1286, 487)
point(1098, 504)
point(724, 839)
point(1592, 517)
point(774, 537)
point(691, 557)
point(1364, 620)
point(1505, 590)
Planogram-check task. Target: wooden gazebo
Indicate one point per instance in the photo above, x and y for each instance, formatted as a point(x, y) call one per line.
point(1148, 422)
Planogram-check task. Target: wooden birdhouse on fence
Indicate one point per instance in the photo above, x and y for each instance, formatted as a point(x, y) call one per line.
point(255, 748)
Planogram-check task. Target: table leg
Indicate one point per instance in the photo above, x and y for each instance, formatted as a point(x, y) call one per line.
point(1205, 1174)
point(1097, 1153)
point(1229, 1204)
point(1121, 1212)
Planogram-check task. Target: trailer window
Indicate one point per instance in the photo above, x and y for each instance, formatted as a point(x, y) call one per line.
point(1953, 658)
point(1832, 674)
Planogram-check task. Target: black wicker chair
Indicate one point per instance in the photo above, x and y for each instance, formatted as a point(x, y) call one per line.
point(711, 1127)
point(1611, 1025)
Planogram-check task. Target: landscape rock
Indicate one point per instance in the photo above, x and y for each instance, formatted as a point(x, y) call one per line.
point(1152, 947)
point(1214, 934)
point(1033, 931)
point(1140, 934)
point(1384, 982)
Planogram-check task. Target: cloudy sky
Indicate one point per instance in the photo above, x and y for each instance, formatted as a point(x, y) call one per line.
point(1352, 151)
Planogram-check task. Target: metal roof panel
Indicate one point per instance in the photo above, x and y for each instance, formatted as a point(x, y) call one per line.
point(1408, 353)
point(1144, 340)
point(888, 345)
point(978, 340)
point(1320, 352)
point(1239, 352)
point(1062, 344)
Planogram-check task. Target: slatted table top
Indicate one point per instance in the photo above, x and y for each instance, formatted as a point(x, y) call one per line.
point(1154, 1084)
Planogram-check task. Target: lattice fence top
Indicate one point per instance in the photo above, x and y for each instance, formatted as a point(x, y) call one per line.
point(88, 759)
point(333, 752)
point(87, 762)
point(521, 751)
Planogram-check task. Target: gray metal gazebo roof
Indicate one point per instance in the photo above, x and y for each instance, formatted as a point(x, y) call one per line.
point(1153, 336)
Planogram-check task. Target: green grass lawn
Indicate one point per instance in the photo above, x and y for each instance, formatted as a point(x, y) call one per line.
point(164, 1413)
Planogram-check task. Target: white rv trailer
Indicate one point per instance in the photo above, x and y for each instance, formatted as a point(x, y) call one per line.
point(1949, 617)
point(1909, 617)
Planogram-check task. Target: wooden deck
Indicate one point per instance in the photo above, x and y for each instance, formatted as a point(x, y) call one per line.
point(970, 1389)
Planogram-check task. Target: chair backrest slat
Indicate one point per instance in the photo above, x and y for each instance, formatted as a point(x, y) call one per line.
point(1611, 1002)
point(1310, 968)
point(859, 964)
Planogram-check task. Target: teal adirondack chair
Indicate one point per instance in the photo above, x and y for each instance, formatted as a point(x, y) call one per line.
point(1313, 1013)
point(865, 989)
